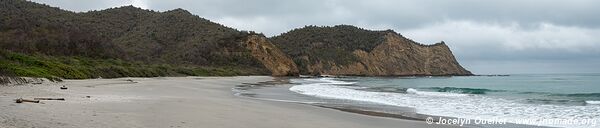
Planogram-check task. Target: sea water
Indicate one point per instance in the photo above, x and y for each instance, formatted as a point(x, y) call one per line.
point(538, 99)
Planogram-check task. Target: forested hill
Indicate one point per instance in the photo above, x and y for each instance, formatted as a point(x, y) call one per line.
point(41, 41)
point(175, 38)
point(128, 33)
point(328, 43)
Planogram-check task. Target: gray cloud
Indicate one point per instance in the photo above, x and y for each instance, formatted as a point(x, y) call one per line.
point(531, 36)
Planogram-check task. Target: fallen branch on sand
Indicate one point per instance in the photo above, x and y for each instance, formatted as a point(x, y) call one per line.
point(21, 100)
point(48, 98)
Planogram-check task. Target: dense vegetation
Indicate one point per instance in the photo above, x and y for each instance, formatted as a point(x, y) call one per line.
point(124, 35)
point(71, 67)
point(327, 43)
point(127, 33)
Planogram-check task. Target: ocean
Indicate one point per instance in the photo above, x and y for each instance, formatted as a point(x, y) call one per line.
point(554, 100)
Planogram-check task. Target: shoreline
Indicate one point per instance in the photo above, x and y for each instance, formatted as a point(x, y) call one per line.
point(278, 91)
point(170, 102)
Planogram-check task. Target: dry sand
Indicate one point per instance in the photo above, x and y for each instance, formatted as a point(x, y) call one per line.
point(188, 102)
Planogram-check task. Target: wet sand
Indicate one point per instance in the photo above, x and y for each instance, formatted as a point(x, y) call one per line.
point(187, 102)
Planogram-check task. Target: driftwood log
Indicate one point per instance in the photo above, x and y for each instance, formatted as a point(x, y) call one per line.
point(48, 98)
point(21, 100)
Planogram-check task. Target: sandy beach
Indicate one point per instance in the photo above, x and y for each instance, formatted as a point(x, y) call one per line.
point(187, 102)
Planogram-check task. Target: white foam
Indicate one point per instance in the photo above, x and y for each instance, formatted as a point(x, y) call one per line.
point(472, 106)
point(435, 94)
point(592, 102)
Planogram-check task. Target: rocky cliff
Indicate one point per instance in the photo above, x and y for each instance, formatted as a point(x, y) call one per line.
point(270, 56)
point(384, 53)
point(400, 57)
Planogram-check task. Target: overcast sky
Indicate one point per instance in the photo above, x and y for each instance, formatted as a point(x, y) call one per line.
point(487, 37)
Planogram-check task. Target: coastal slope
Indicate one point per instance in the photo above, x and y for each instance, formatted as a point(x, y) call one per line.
point(349, 50)
point(270, 56)
point(175, 38)
point(37, 40)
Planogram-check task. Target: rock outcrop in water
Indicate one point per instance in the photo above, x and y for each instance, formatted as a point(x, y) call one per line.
point(348, 50)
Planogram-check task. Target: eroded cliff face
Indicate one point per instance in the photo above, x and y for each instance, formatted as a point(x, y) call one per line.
point(396, 56)
point(270, 56)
